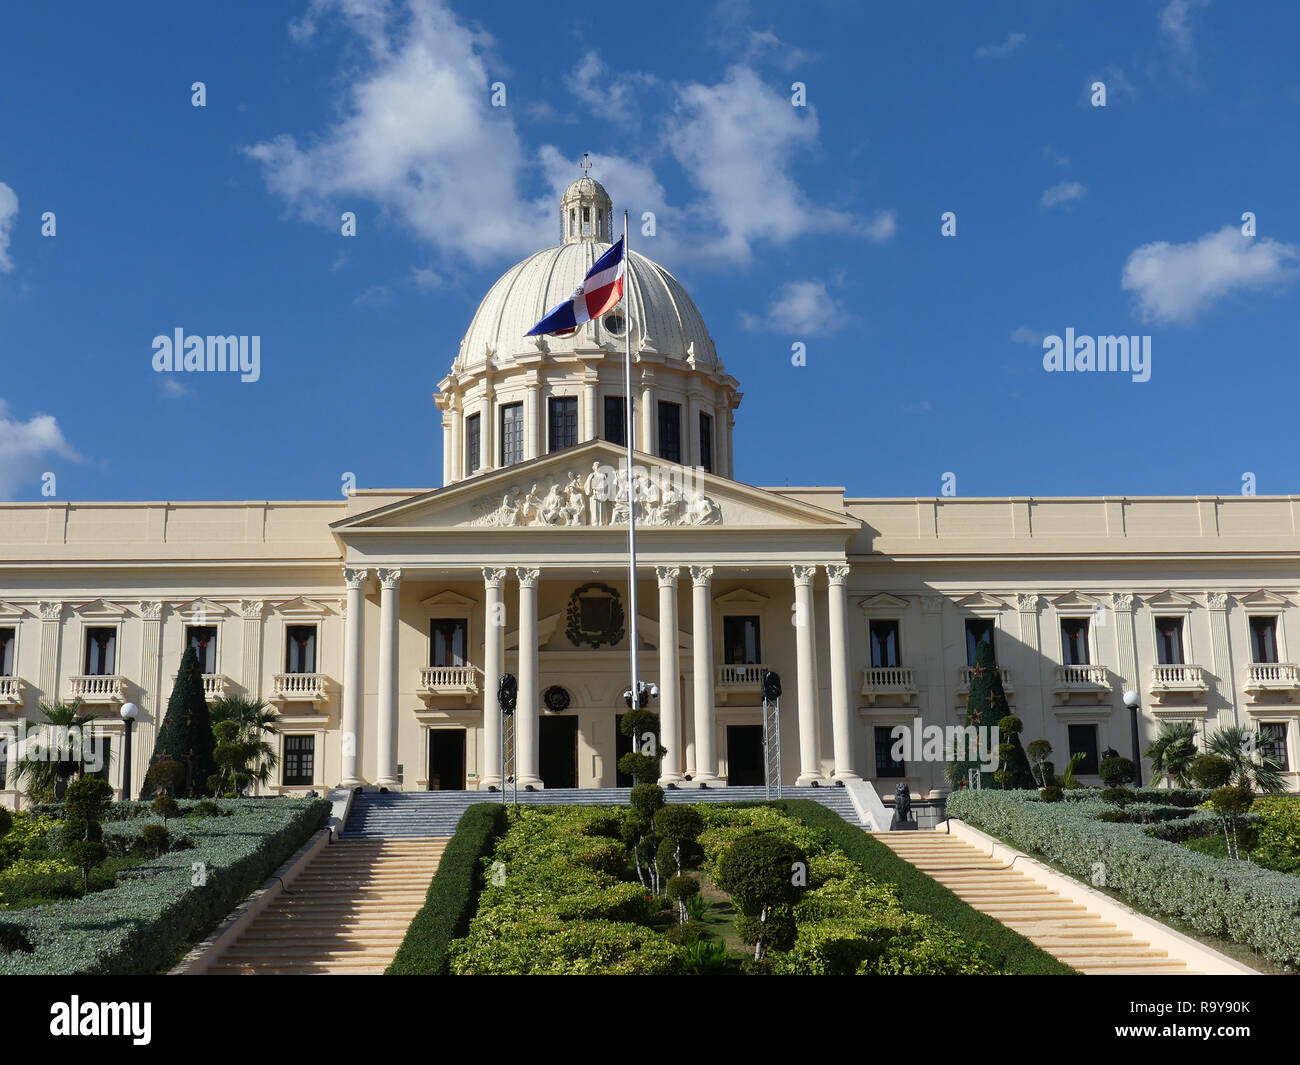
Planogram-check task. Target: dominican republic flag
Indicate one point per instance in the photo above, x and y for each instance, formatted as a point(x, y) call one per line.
point(600, 290)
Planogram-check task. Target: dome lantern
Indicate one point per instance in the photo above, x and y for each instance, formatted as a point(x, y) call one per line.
point(586, 212)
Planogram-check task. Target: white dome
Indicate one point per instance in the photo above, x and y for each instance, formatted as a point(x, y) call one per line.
point(664, 318)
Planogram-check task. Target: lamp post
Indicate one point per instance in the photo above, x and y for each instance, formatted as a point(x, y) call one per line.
point(1132, 700)
point(128, 712)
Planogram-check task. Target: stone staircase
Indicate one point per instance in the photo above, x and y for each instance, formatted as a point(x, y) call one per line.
point(347, 912)
point(422, 814)
point(1063, 927)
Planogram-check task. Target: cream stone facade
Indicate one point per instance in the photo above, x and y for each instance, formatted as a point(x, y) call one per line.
point(379, 625)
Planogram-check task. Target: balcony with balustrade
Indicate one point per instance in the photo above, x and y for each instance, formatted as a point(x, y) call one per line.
point(299, 688)
point(738, 679)
point(107, 689)
point(11, 691)
point(215, 686)
point(436, 681)
point(1272, 678)
point(1175, 680)
point(965, 674)
point(888, 681)
point(1084, 681)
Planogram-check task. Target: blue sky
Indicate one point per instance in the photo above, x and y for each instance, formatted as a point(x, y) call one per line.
point(818, 224)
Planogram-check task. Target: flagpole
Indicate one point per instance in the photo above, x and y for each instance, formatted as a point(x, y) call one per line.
point(629, 423)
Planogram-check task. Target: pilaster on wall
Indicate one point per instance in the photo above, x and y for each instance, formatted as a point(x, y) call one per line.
point(1027, 605)
point(939, 704)
point(51, 626)
point(1125, 640)
point(1223, 672)
point(252, 664)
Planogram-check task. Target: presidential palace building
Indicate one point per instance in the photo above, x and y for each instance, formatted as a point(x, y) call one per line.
point(378, 625)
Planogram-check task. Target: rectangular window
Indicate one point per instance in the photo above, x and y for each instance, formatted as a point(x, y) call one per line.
point(884, 644)
point(473, 442)
point(670, 431)
point(1169, 641)
point(563, 422)
point(299, 760)
point(203, 638)
point(886, 764)
point(978, 631)
point(447, 641)
point(1273, 747)
point(1083, 740)
point(616, 420)
point(741, 646)
point(1263, 639)
point(8, 639)
point(1074, 642)
point(101, 652)
point(512, 434)
point(706, 441)
point(300, 654)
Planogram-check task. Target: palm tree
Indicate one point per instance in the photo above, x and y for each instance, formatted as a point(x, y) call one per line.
point(1250, 769)
point(1172, 753)
point(256, 721)
point(47, 757)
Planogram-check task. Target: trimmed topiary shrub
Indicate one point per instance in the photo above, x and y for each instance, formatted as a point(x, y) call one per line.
point(760, 873)
point(1211, 771)
point(1117, 771)
point(1120, 797)
point(185, 735)
point(1051, 794)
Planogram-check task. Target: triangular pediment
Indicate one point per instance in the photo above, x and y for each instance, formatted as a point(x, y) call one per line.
point(99, 608)
point(201, 608)
point(447, 597)
point(302, 607)
point(1264, 597)
point(576, 490)
point(11, 613)
point(980, 601)
point(740, 597)
point(1170, 598)
point(1076, 601)
point(882, 601)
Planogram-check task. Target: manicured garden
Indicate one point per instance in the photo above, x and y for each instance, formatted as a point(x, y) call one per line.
point(693, 890)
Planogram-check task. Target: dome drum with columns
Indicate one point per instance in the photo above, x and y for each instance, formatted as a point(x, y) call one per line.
point(510, 398)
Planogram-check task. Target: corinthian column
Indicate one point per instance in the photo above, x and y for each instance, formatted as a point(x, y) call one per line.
point(706, 760)
point(528, 706)
point(669, 671)
point(493, 658)
point(386, 730)
point(841, 706)
point(353, 680)
point(810, 771)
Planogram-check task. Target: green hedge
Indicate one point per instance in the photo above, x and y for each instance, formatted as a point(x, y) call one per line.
point(1009, 950)
point(156, 910)
point(1234, 900)
point(453, 894)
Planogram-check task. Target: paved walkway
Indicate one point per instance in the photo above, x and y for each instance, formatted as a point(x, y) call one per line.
point(1064, 927)
point(346, 913)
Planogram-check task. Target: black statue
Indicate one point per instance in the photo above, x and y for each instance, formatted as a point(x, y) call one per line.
point(902, 819)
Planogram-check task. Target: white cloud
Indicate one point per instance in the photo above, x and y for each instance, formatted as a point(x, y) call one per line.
point(799, 308)
point(1175, 24)
point(8, 212)
point(426, 279)
point(1063, 192)
point(605, 94)
point(1001, 51)
point(374, 296)
point(1023, 334)
point(417, 136)
point(1175, 282)
point(174, 389)
point(26, 449)
point(737, 141)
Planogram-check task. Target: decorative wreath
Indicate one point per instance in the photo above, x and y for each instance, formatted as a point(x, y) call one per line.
point(556, 698)
point(610, 634)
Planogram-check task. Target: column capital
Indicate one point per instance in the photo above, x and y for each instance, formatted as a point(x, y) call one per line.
point(1216, 600)
point(1121, 600)
point(252, 609)
point(932, 604)
point(701, 575)
point(355, 578)
point(389, 578)
point(803, 575)
point(51, 611)
point(528, 577)
point(837, 572)
point(668, 575)
point(1027, 602)
point(151, 609)
point(493, 578)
